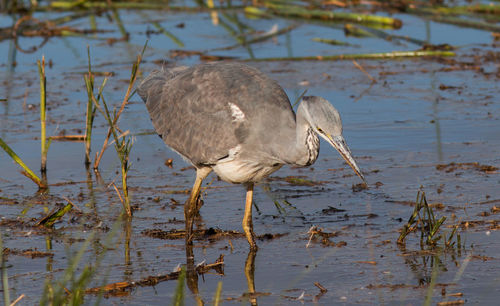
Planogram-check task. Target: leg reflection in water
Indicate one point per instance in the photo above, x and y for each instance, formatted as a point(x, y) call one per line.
point(192, 274)
point(249, 274)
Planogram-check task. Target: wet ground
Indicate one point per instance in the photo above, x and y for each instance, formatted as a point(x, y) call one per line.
point(424, 124)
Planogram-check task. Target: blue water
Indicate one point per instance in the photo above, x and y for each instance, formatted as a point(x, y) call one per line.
point(398, 128)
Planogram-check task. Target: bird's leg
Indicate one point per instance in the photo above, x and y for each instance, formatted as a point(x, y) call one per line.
point(191, 207)
point(247, 218)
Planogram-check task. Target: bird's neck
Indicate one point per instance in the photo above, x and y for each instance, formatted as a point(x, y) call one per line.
point(307, 142)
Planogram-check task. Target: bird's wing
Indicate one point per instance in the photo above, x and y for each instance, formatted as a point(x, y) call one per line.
point(208, 111)
point(191, 113)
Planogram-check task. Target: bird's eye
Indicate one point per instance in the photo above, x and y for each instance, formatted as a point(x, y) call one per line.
point(319, 129)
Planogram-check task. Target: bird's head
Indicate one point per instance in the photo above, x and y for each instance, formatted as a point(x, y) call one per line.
point(325, 120)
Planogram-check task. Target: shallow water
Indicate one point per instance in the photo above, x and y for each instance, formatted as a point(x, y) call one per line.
point(399, 129)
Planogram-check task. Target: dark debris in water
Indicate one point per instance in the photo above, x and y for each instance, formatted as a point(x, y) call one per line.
point(394, 287)
point(451, 167)
point(124, 288)
point(480, 224)
point(33, 253)
point(318, 235)
point(248, 295)
point(359, 187)
point(210, 234)
point(7, 201)
point(331, 210)
point(271, 236)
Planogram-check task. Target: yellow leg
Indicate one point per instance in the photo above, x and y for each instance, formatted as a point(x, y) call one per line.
point(191, 207)
point(247, 218)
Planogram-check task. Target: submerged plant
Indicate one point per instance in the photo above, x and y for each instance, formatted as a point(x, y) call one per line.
point(424, 221)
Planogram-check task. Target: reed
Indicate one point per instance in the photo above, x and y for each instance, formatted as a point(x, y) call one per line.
point(89, 84)
point(123, 146)
point(122, 141)
point(304, 13)
point(45, 143)
point(133, 77)
point(372, 56)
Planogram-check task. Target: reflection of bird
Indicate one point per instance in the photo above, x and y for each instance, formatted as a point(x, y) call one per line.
point(233, 119)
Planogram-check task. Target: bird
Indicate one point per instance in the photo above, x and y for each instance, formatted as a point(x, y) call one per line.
point(231, 118)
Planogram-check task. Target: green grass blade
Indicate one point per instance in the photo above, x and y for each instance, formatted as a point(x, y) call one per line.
point(49, 220)
point(179, 291)
point(218, 292)
point(26, 169)
point(5, 279)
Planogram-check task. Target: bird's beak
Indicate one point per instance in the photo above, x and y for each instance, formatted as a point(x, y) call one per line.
point(338, 142)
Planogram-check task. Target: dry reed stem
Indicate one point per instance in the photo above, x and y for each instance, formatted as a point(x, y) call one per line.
point(118, 192)
point(17, 300)
point(76, 138)
point(364, 71)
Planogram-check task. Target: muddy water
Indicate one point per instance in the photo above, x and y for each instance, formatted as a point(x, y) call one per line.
point(420, 114)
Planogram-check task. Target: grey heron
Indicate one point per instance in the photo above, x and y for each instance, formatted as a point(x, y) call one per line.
point(233, 119)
